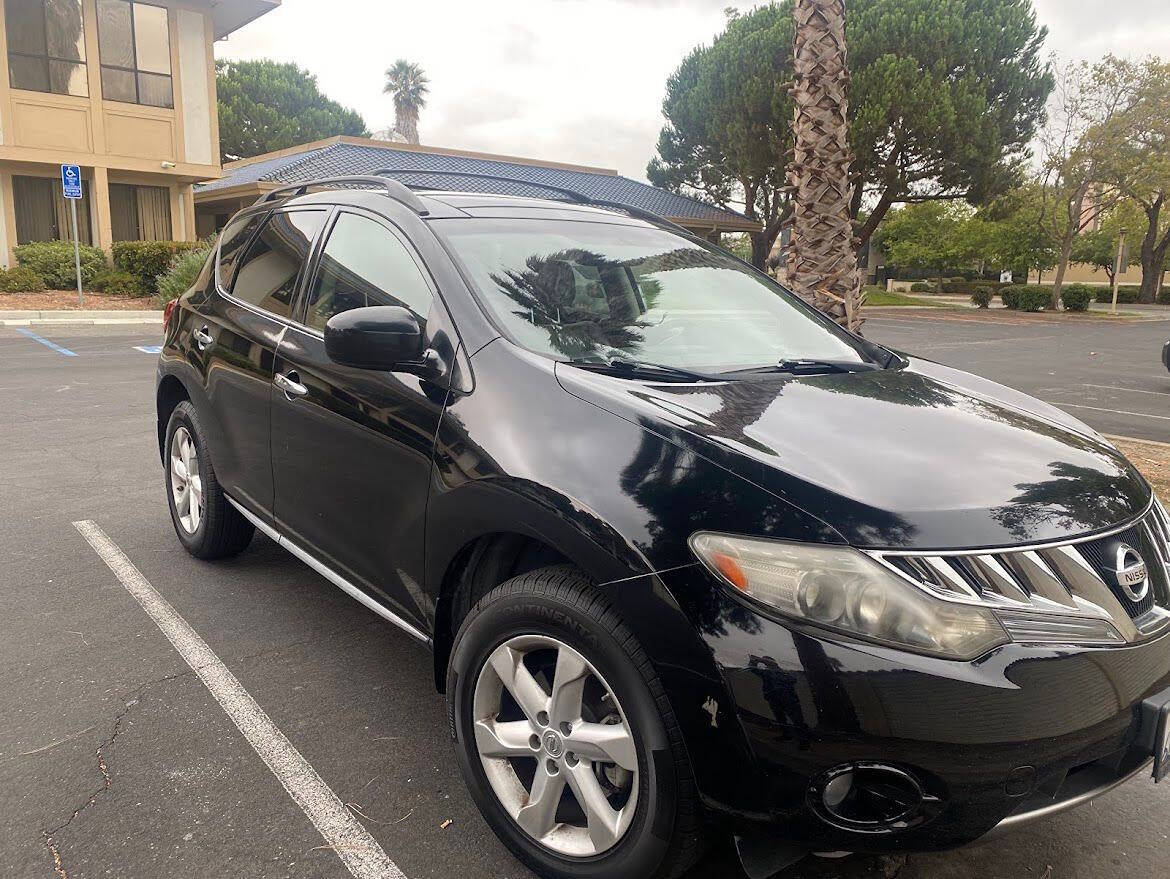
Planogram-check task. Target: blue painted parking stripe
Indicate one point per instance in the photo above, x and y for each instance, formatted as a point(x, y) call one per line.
point(149, 349)
point(47, 343)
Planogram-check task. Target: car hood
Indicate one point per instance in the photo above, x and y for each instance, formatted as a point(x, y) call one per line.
point(921, 457)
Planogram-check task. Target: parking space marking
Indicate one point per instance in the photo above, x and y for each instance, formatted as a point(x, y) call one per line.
point(149, 349)
point(27, 332)
point(1114, 411)
point(343, 833)
point(1130, 390)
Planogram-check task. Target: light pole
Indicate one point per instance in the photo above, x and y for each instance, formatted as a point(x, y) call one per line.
point(1117, 265)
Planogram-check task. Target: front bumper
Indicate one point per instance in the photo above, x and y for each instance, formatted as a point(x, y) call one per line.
point(1017, 734)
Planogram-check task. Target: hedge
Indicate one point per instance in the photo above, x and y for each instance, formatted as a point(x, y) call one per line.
point(20, 279)
point(921, 287)
point(1034, 298)
point(1010, 296)
point(1076, 297)
point(184, 269)
point(148, 259)
point(116, 282)
point(53, 261)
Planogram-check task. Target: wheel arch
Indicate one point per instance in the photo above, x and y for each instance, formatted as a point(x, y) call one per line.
point(169, 394)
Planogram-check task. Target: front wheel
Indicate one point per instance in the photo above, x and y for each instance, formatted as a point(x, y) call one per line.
point(565, 736)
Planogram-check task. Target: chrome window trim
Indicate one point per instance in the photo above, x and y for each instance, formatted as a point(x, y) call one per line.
point(332, 576)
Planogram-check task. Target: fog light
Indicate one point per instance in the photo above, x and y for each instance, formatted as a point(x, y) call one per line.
point(870, 798)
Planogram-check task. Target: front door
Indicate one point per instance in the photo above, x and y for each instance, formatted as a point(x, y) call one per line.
point(351, 448)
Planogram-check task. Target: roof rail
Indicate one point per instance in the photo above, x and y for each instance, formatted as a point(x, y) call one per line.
point(392, 188)
point(573, 195)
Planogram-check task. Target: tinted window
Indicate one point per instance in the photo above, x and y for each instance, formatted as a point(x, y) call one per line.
point(46, 46)
point(267, 275)
point(134, 41)
point(231, 246)
point(365, 264)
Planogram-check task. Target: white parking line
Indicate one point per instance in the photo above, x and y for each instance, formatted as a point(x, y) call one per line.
point(343, 833)
point(1061, 404)
point(1130, 390)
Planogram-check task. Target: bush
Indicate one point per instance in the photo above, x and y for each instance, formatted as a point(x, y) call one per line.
point(981, 295)
point(184, 269)
point(958, 279)
point(148, 259)
point(116, 282)
point(1164, 296)
point(956, 288)
point(921, 287)
point(1034, 298)
point(1010, 296)
point(20, 279)
point(53, 261)
point(1076, 297)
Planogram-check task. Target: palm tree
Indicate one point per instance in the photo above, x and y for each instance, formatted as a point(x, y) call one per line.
point(407, 82)
point(822, 258)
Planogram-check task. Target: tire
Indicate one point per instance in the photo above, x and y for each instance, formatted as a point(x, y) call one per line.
point(533, 615)
point(219, 530)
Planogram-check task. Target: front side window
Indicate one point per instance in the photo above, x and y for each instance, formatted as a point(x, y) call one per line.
point(140, 213)
point(46, 46)
point(135, 45)
point(363, 264)
point(600, 291)
point(267, 275)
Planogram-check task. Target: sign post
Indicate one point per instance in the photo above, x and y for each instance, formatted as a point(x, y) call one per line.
point(71, 186)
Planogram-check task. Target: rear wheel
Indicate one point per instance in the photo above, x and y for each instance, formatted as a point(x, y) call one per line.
point(565, 736)
point(207, 525)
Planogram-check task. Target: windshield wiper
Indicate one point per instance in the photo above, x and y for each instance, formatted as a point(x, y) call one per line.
point(808, 367)
point(644, 369)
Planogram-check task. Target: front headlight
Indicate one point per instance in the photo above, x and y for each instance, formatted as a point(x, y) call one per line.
point(839, 588)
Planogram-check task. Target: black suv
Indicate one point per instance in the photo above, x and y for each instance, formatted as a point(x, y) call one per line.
point(691, 558)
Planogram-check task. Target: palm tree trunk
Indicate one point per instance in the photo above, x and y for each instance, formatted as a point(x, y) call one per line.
point(822, 259)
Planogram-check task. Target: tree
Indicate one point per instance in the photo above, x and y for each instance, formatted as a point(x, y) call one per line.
point(1021, 241)
point(728, 123)
point(1136, 157)
point(409, 85)
point(268, 105)
point(822, 258)
point(1097, 247)
point(1074, 155)
point(932, 236)
point(945, 98)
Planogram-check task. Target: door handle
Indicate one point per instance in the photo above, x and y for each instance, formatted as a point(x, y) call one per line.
point(202, 338)
point(290, 384)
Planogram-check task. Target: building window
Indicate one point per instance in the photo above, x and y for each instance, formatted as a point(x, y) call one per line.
point(46, 46)
point(140, 213)
point(42, 213)
point(135, 45)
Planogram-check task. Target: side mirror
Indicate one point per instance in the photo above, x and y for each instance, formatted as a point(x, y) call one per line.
point(377, 337)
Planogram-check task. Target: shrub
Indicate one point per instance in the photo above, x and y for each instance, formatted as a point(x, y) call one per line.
point(1034, 298)
point(1164, 296)
point(53, 261)
point(920, 287)
point(116, 282)
point(1076, 297)
point(20, 279)
point(1010, 296)
point(148, 259)
point(981, 295)
point(958, 279)
point(956, 288)
point(184, 269)
point(1127, 294)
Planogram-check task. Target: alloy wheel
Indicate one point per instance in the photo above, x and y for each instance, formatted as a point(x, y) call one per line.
point(556, 746)
point(186, 483)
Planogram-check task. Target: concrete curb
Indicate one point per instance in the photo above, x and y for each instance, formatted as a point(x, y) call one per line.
point(80, 317)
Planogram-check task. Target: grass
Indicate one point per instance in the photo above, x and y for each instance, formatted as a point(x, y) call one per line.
point(884, 297)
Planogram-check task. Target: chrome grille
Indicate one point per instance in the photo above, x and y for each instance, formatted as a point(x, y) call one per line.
point(1032, 586)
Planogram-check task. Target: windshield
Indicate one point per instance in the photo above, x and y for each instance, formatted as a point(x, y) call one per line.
point(600, 291)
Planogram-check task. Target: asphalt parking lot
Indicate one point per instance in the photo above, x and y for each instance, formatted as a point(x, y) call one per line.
point(116, 759)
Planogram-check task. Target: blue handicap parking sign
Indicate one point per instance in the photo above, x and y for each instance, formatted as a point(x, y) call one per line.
point(71, 180)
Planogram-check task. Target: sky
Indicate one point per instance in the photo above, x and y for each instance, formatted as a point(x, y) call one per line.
point(577, 81)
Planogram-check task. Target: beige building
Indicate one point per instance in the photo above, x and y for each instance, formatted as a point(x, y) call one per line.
point(124, 89)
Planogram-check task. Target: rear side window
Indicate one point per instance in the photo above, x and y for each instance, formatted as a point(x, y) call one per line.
point(267, 274)
point(231, 247)
point(363, 263)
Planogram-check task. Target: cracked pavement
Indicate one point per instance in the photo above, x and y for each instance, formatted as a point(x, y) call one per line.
point(115, 761)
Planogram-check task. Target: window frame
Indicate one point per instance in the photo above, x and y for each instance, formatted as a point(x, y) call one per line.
point(136, 71)
point(301, 311)
point(49, 58)
point(296, 303)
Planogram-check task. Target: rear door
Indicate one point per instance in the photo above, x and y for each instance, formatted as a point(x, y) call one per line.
point(352, 447)
point(236, 332)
